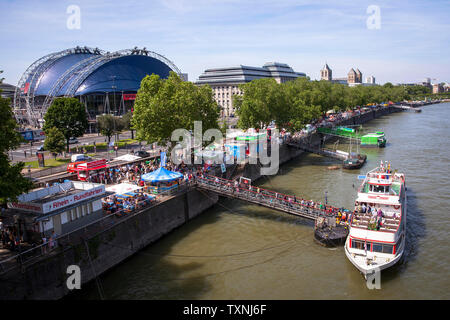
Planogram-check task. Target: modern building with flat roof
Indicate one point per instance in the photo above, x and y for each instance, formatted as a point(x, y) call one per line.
point(225, 81)
point(7, 90)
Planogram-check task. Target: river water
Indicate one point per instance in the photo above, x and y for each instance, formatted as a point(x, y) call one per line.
point(241, 251)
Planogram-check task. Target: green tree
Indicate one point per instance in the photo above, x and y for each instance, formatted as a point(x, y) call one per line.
point(69, 116)
point(109, 125)
point(54, 141)
point(126, 123)
point(12, 183)
point(261, 103)
point(163, 105)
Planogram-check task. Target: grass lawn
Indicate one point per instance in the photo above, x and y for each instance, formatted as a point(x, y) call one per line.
point(49, 162)
point(102, 146)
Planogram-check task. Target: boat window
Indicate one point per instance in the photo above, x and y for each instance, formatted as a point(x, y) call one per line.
point(377, 247)
point(378, 189)
point(356, 244)
point(387, 248)
point(383, 248)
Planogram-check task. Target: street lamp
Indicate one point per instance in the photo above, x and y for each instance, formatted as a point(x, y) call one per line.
point(114, 99)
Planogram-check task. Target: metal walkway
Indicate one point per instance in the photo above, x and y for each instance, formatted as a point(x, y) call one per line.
point(320, 151)
point(266, 198)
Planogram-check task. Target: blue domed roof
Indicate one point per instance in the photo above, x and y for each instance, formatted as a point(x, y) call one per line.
point(56, 70)
point(119, 73)
point(124, 73)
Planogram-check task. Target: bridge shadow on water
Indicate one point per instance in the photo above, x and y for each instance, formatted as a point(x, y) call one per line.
point(415, 232)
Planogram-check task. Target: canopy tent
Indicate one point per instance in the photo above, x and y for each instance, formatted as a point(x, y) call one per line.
point(161, 175)
point(209, 156)
point(127, 157)
point(123, 188)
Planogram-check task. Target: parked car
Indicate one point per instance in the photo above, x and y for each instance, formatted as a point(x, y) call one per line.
point(73, 140)
point(142, 154)
point(79, 157)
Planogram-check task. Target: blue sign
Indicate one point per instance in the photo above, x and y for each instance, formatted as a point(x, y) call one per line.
point(223, 167)
point(27, 135)
point(361, 177)
point(163, 159)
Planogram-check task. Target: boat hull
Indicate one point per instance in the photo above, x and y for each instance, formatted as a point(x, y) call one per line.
point(366, 270)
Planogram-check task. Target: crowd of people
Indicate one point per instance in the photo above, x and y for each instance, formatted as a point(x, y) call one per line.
point(377, 217)
point(342, 215)
point(126, 203)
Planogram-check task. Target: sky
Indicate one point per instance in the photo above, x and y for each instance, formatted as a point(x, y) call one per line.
point(394, 40)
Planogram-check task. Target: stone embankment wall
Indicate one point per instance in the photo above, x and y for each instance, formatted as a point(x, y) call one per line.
point(46, 279)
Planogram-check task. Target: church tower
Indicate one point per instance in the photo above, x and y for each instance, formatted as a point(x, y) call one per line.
point(326, 73)
point(358, 76)
point(352, 76)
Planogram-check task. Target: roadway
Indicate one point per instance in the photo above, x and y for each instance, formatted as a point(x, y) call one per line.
point(26, 152)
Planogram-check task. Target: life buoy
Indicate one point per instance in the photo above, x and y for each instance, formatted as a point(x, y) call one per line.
point(397, 207)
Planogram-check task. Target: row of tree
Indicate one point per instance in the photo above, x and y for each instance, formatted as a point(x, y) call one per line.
point(67, 118)
point(294, 104)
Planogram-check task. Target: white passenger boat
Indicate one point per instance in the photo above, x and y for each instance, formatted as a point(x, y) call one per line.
point(376, 240)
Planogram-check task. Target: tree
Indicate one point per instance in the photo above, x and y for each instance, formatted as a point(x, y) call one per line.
point(126, 123)
point(164, 105)
point(54, 141)
point(12, 183)
point(109, 125)
point(69, 116)
point(262, 102)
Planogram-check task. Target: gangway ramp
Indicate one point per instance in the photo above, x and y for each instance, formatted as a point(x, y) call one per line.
point(270, 199)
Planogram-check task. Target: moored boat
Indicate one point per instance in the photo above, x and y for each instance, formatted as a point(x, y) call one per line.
point(376, 238)
point(354, 161)
point(374, 139)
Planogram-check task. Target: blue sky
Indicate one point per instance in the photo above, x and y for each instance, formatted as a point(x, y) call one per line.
point(412, 42)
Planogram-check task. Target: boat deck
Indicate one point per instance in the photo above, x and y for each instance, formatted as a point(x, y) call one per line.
point(361, 220)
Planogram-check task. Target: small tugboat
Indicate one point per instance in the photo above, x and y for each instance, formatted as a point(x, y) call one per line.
point(376, 239)
point(354, 161)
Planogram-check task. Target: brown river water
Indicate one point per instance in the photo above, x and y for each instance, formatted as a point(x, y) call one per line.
point(241, 251)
